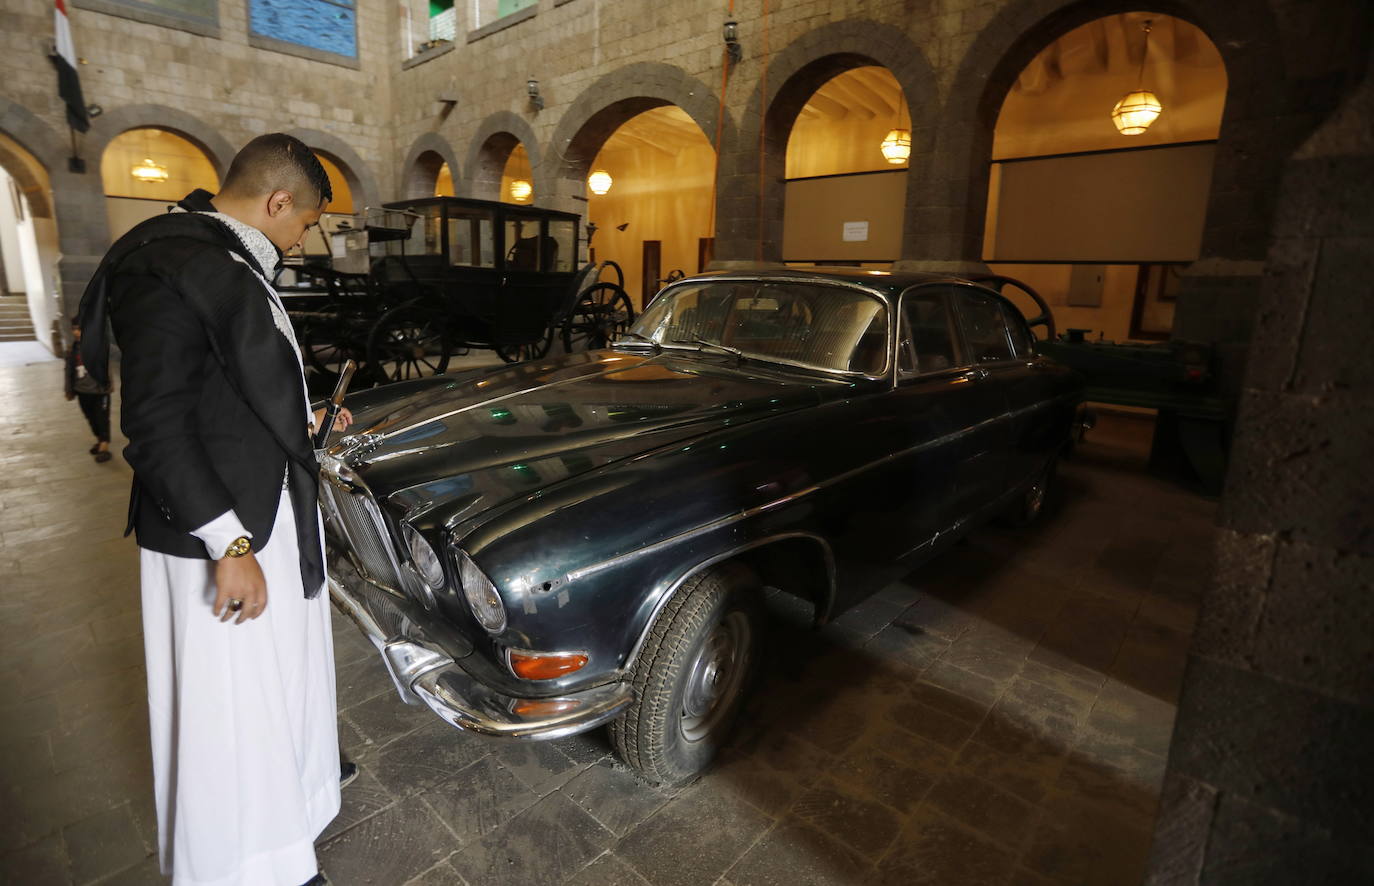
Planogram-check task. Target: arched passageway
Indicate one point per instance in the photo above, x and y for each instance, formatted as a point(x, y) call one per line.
point(846, 172)
point(502, 160)
point(430, 168)
point(649, 196)
point(30, 290)
point(1102, 218)
point(144, 170)
point(754, 169)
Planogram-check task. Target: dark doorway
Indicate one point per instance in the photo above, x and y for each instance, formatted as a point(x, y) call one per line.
point(653, 269)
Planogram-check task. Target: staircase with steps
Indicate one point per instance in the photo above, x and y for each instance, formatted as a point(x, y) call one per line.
point(15, 323)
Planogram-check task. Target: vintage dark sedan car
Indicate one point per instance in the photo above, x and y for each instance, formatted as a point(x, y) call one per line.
point(581, 540)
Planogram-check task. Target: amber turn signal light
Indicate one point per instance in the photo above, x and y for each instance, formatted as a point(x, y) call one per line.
point(546, 666)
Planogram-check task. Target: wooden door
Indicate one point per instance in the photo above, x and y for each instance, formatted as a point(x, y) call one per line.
point(653, 269)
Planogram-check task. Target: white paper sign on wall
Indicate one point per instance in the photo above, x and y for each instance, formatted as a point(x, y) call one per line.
point(855, 232)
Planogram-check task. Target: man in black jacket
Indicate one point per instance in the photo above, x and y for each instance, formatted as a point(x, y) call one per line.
point(236, 631)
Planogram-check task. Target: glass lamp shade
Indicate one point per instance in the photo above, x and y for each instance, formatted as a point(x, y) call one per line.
point(148, 171)
point(520, 190)
point(1136, 111)
point(600, 182)
point(897, 146)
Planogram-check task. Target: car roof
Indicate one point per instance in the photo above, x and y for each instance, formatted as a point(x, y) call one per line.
point(889, 283)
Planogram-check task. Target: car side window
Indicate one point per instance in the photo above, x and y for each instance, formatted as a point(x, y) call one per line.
point(1021, 341)
point(984, 327)
point(928, 332)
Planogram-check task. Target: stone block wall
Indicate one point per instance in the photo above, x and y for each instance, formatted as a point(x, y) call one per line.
point(1271, 770)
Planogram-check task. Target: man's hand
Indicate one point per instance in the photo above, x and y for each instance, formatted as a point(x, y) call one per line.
point(341, 423)
point(70, 396)
point(239, 578)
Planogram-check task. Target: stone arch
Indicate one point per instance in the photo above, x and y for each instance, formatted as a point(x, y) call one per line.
point(421, 167)
point(40, 143)
point(1245, 34)
point(204, 136)
point(1269, 112)
point(32, 134)
point(752, 231)
point(602, 107)
point(489, 149)
point(85, 242)
point(35, 158)
point(359, 175)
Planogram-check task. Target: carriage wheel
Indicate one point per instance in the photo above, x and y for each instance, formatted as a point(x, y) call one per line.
point(407, 344)
point(614, 268)
point(326, 344)
point(534, 350)
point(602, 314)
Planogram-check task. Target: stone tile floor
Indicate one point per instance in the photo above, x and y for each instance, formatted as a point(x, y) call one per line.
point(999, 717)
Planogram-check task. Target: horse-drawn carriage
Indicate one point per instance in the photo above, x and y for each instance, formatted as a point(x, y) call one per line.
point(404, 289)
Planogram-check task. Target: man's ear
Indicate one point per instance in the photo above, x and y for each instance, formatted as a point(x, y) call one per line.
point(279, 202)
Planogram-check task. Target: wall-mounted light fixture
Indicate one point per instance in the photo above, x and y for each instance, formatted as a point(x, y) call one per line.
point(532, 89)
point(520, 190)
point(730, 31)
point(600, 182)
point(1139, 108)
point(149, 172)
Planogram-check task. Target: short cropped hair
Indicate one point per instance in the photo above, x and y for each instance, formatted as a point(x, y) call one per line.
point(278, 161)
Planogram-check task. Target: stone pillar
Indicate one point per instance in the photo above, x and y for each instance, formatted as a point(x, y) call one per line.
point(1271, 771)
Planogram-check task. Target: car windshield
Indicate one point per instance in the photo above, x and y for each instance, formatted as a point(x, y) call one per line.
point(824, 327)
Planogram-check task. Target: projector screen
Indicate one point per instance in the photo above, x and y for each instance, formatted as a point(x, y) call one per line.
point(1112, 207)
point(855, 217)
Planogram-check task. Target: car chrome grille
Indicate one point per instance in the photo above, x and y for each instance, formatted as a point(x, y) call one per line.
point(357, 515)
point(390, 620)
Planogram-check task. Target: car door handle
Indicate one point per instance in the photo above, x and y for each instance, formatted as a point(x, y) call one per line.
point(975, 374)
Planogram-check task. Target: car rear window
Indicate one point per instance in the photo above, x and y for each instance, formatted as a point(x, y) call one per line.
point(984, 327)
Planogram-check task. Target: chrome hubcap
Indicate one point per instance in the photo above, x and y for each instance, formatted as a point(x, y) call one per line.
point(715, 676)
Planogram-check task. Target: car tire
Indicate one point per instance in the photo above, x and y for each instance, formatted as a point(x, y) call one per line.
point(691, 676)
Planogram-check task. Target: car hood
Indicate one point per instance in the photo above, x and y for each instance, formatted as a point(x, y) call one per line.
point(462, 447)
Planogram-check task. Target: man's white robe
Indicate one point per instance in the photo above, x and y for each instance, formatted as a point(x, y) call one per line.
point(244, 726)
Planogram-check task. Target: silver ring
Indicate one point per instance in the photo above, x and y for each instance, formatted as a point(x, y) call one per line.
point(235, 605)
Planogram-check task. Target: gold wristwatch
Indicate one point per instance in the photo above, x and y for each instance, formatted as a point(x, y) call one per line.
point(239, 547)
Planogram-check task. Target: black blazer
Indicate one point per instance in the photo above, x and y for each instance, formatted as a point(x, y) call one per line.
point(212, 398)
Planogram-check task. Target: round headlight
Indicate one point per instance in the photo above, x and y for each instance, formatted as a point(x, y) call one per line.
point(425, 560)
point(482, 596)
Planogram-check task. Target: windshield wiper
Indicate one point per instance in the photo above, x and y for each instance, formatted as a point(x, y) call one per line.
point(703, 343)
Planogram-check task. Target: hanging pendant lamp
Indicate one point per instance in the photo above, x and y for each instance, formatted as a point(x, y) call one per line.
point(896, 145)
point(600, 182)
point(1138, 108)
point(148, 171)
point(520, 190)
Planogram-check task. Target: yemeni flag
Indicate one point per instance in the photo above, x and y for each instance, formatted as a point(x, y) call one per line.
point(68, 81)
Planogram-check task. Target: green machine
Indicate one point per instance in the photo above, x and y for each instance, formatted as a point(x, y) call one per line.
point(1192, 431)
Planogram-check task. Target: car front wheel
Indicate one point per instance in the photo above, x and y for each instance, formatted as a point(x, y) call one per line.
point(690, 677)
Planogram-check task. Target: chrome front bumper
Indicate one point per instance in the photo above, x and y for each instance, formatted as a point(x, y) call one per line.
point(424, 672)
